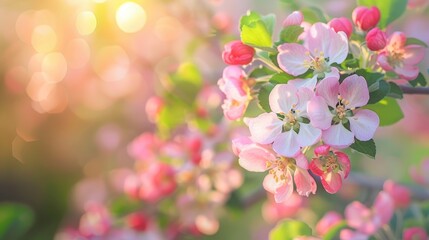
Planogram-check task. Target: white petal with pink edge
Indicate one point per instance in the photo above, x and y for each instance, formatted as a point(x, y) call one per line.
point(292, 58)
point(283, 97)
point(328, 89)
point(264, 128)
point(338, 136)
point(287, 144)
point(364, 124)
point(354, 89)
point(254, 158)
point(308, 135)
point(319, 114)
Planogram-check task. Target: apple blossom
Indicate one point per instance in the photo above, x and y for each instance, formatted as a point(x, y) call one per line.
point(342, 24)
point(273, 212)
point(329, 220)
point(331, 166)
point(285, 127)
point(400, 58)
point(336, 103)
point(237, 92)
point(138, 221)
point(400, 194)
point(237, 53)
point(322, 47)
point(259, 158)
point(366, 18)
point(415, 233)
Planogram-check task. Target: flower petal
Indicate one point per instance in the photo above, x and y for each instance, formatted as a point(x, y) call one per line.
point(408, 72)
point(264, 128)
point(338, 47)
point(304, 95)
point(286, 144)
point(283, 97)
point(304, 182)
point(384, 207)
point(383, 62)
point(319, 113)
point(292, 57)
point(328, 88)
point(355, 90)
point(364, 124)
point(308, 135)
point(332, 182)
point(282, 190)
point(413, 54)
point(338, 136)
point(254, 158)
point(316, 167)
point(309, 83)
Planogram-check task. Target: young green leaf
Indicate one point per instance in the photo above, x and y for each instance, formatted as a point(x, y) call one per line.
point(365, 147)
point(263, 96)
point(289, 229)
point(378, 91)
point(256, 31)
point(388, 110)
point(415, 41)
point(420, 80)
point(395, 91)
point(290, 34)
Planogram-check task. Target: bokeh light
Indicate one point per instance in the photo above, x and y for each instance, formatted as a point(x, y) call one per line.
point(86, 22)
point(130, 17)
point(44, 39)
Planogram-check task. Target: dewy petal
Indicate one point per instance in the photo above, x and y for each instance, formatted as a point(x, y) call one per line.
point(338, 136)
point(264, 128)
point(319, 113)
point(332, 182)
point(287, 144)
point(355, 90)
point(282, 98)
point(254, 158)
point(328, 88)
point(304, 95)
point(408, 72)
point(364, 124)
point(309, 83)
point(292, 58)
point(308, 135)
point(304, 182)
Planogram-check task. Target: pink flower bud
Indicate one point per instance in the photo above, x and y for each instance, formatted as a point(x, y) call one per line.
point(342, 24)
point(154, 106)
point(366, 18)
point(329, 220)
point(416, 233)
point(401, 195)
point(237, 53)
point(137, 221)
point(376, 39)
point(295, 18)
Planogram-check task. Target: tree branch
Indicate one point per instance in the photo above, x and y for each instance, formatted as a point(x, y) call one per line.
point(362, 180)
point(414, 90)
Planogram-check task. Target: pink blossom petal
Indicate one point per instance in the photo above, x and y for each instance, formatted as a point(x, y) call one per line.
point(333, 73)
point(304, 95)
point(240, 143)
point(309, 83)
point(384, 207)
point(319, 114)
point(348, 234)
point(322, 150)
point(338, 136)
point(316, 167)
point(384, 62)
point(264, 128)
point(408, 72)
point(329, 220)
point(301, 161)
point(328, 88)
point(338, 47)
point(413, 54)
point(308, 135)
point(287, 144)
point(233, 109)
point(332, 182)
point(304, 182)
point(344, 161)
point(318, 38)
point(255, 158)
point(281, 189)
point(282, 98)
point(397, 39)
point(291, 58)
point(295, 18)
point(364, 124)
point(355, 90)
point(360, 217)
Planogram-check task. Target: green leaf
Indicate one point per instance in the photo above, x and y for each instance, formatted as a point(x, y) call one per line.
point(395, 91)
point(388, 110)
point(260, 72)
point(280, 78)
point(365, 147)
point(378, 91)
point(420, 80)
point(390, 9)
point(263, 96)
point(334, 231)
point(313, 15)
point(370, 77)
point(15, 220)
point(289, 229)
point(269, 21)
point(186, 82)
point(256, 30)
point(415, 41)
point(290, 34)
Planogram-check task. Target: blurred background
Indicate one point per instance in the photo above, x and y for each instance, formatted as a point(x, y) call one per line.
point(76, 76)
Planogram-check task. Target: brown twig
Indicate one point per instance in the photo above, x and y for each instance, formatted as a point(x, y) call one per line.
point(414, 90)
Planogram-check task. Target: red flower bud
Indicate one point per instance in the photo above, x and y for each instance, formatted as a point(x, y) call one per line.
point(137, 221)
point(366, 18)
point(342, 24)
point(237, 53)
point(376, 39)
